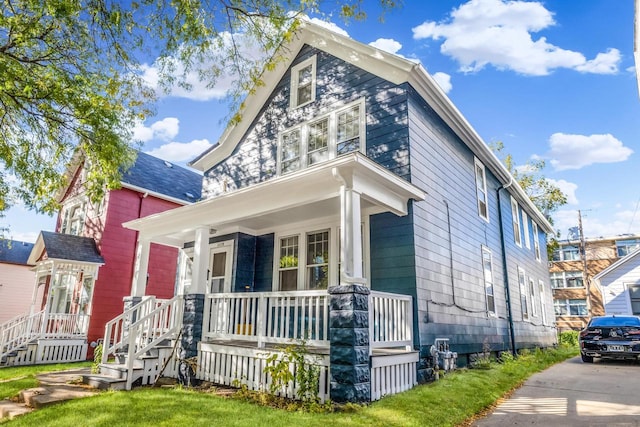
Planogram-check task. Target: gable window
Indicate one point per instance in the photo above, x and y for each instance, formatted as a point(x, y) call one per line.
point(290, 152)
point(339, 132)
point(303, 82)
point(570, 307)
point(525, 227)
point(487, 268)
point(634, 296)
point(523, 294)
point(481, 190)
point(566, 279)
point(73, 219)
point(517, 236)
point(536, 241)
point(543, 302)
point(625, 247)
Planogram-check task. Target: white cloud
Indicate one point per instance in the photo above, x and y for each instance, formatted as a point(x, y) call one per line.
point(499, 33)
point(443, 80)
point(179, 151)
point(568, 188)
point(569, 151)
point(388, 45)
point(165, 130)
point(597, 224)
point(28, 236)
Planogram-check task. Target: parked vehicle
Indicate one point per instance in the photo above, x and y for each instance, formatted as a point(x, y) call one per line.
point(612, 337)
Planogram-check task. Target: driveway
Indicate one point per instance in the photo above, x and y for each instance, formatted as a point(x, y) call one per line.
point(572, 393)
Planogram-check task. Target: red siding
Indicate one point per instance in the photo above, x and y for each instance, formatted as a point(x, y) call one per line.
point(117, 246)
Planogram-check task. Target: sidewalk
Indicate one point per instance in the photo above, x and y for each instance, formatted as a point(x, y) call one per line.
point(54, 387)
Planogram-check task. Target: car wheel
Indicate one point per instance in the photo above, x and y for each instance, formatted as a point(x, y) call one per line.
point(586, 359)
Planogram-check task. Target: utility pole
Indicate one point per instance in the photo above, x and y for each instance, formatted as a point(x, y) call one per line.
point(585, 274)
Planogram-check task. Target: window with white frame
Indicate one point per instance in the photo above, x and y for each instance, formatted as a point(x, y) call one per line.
point(525, 228)
point(73, 218)
point(523, 294)
point(634, 296)
point(532, 295)
point(536, 241)
point(487, 268)
point(339, 132)
point(570, 307)
point(309, 257)
point(543, 302)
point(481, 190)
point(567, 253)
point(625, 247)
point(517, 236)
point(303, 83)
point(566, 279)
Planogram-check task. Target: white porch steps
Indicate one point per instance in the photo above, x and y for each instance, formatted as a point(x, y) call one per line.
point(146, 368)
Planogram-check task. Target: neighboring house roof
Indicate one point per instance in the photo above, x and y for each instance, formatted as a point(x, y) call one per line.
point(391, 67)
point(163, 178)
point(625, 259)
point(14, 251)
point(65, 247)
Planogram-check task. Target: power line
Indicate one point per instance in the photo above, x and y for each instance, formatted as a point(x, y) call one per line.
point(633, 218)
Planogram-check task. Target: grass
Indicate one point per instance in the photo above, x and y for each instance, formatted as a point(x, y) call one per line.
point(452, 401)
point(15, 379)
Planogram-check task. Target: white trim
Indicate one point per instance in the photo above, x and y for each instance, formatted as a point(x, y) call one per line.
point(491, 313)
point(525, 229)
point(295, 70)
point(543, 304)
point(227, 247)
point(523, 293)
point(477, 164)
point(536, 241)
point(532, 294)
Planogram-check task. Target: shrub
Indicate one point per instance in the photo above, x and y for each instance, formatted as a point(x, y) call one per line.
point(568, 338)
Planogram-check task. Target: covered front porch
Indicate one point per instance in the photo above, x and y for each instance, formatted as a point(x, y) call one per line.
point(308, 235)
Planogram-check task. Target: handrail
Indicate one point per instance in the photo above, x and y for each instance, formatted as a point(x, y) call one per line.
point(115, 330)
point(151, 329)
point(390, 320)
point(18, 331)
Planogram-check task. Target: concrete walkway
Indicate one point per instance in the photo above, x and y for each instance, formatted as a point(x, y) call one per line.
point(54, 387)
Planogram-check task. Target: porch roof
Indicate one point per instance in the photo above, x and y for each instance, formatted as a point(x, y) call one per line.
point(307, 194)
point(57, 246)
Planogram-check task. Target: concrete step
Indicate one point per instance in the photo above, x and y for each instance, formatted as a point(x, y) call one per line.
point(43, 396)
point(10, 409)
point(103, 382)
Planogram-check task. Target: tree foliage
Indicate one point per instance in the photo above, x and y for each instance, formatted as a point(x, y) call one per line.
point(72, 76)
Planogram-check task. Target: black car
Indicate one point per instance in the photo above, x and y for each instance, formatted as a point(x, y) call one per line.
point(611, 336)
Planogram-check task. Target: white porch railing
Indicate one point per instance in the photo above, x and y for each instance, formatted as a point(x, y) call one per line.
point(115, 331)
point(19, 331)
point(268, 317)
point(390, 320)
point(279, 317)
point(58, 325)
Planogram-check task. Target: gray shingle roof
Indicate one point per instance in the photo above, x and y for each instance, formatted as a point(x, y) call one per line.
point(164, 177)
point(73, 248)
point(14, 251)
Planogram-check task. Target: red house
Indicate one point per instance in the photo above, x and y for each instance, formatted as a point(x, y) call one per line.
point(85, 269)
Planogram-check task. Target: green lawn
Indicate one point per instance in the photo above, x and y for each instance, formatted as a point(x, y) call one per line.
point(15, 379)
point(448, 402)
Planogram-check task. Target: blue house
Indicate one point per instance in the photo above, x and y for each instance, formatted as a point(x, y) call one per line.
point(355, 208)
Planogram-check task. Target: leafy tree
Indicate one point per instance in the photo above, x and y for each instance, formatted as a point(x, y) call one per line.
point(544, 194)
point(72, 76)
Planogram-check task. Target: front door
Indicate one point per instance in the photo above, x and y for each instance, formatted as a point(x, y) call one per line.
point(220, 265)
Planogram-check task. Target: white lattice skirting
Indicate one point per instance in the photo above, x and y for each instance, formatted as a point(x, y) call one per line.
point(49, 351)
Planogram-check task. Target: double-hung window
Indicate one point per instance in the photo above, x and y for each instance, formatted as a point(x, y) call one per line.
point(303, 83)
point(566, 279)
point(338, 132)
point(481, 190)
point(536, 241)
point(570, 307)
point(634, 296)
point(515, 216)
point(523, 294)
point(543, 302)
point(525, 227)
point(625, 247)
point(317, 260)
point(567, 253)
point(487, 268)
point(73, 218)
point(532, 294)
point(288, 268)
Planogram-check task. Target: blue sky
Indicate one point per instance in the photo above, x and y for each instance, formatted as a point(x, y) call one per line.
point(552, 80)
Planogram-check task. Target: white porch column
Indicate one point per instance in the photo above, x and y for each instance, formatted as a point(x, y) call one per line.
point(139, 281)
point(200, 262)
point(350, 237)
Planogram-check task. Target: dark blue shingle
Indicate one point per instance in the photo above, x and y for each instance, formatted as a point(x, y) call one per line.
point(73, 248)
point(14, 251)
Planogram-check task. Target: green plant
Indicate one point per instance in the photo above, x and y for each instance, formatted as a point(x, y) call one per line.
point(294, 367)
point(483, 359)
point(568, 338)
point(97, 359)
